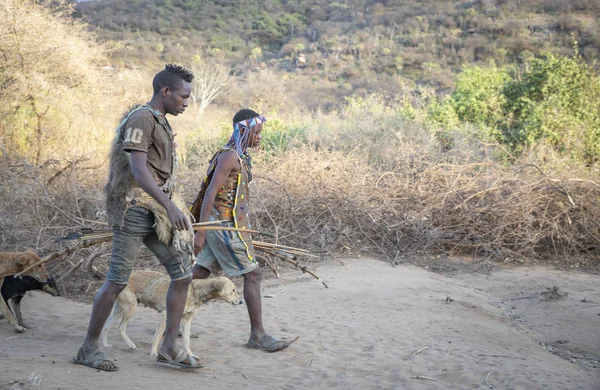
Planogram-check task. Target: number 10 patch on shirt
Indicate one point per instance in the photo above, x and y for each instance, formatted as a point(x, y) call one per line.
point(133, 135)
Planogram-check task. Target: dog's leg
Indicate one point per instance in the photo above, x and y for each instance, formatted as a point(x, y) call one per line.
point(7, 313)
point(158, 336)
point(127, 303)
point(16, 303)
point(114, 315)
point(186, 324)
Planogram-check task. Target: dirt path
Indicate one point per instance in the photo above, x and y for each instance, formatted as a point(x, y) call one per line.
point(377, 327)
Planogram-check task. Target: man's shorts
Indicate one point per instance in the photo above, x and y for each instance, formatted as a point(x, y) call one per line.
point(138, 228)
point(225, 251)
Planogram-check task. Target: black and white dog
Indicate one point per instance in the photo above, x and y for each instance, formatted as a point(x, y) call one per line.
point(15, 289)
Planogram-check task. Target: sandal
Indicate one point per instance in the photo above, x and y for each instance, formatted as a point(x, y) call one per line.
point(179, 360)
point(270, 344)
point(95, 360)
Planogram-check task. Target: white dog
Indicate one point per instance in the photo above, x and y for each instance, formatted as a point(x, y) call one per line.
point(150, 289)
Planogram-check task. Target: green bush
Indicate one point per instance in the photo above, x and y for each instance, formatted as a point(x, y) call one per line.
point(557, 100)
point(478, 96)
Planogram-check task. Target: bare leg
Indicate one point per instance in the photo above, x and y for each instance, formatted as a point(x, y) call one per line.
point(103, 303)
point(258, 338)
point(176, 298)
point(200, 272)
point(253, 302)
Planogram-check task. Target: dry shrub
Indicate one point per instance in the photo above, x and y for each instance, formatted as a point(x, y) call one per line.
point(512, 213)
point(332, 200)
point(41, 203)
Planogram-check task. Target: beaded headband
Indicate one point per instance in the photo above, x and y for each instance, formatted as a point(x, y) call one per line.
point(249, 122)
point(239, 140)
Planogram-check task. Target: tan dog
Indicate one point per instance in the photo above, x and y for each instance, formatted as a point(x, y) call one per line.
point(150, 289)
point(13, 263)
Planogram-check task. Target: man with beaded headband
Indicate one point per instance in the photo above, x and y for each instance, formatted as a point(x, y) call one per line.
point(223, 197)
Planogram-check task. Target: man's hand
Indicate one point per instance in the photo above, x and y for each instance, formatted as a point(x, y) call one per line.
point(199, 239)
point(178, 219)
point(144, 179)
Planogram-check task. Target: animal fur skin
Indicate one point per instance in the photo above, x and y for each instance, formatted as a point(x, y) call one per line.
point(12, 263)
point(120, 180)
point(150, 289)
point(15, 289)
point(164, 229)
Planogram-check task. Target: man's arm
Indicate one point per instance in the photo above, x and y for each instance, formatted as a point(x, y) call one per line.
point(144, 179)
point(226, 163)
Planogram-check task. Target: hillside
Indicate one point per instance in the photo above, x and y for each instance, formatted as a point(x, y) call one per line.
point(362, 46)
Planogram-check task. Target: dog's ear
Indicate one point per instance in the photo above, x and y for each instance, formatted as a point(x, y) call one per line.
point(218, 284)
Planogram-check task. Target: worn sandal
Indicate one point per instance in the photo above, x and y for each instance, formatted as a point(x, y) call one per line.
point(95, 360)
point(270, 344)
point(179, 360)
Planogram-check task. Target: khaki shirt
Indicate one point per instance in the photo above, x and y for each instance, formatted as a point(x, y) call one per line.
point(149, 133)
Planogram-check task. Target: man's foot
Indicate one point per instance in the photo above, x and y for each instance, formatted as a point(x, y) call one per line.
point(181, 359)
point(270, 344)
point(95, 360)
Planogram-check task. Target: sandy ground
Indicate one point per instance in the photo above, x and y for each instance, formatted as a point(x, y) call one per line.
point(377, 327)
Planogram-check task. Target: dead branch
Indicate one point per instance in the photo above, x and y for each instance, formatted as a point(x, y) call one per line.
point(65, 252)
point(277, 183)
point(297, 265)
point(70, 271)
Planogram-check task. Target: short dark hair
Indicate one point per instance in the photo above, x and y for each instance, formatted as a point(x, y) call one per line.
point(171, 77)
point(243, 114)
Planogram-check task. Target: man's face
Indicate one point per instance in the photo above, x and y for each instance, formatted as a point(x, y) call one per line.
point(255, 136)
point(176, 100)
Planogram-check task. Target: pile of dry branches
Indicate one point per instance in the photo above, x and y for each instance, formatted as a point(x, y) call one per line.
point(334, 201)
